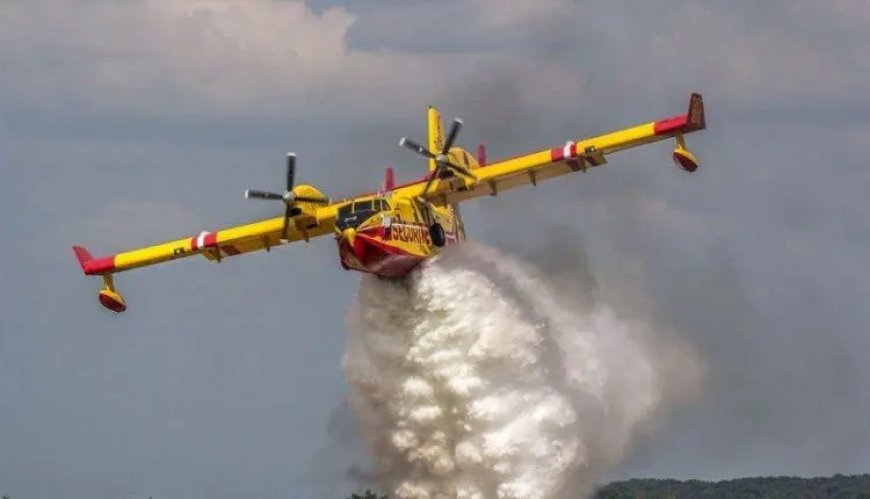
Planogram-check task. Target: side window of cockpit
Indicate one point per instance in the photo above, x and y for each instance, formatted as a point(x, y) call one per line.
point(385, 206)
point(345, 210)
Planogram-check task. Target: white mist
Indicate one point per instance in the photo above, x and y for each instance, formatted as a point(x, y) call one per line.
point(475, 379)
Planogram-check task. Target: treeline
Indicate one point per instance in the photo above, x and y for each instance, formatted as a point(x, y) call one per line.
point(367, 495)
point(835, 487)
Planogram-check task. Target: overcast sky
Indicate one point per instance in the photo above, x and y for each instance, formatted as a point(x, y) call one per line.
point(129, 123)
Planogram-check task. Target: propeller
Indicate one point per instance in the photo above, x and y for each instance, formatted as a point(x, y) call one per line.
point(442, 160)
point(289, 197)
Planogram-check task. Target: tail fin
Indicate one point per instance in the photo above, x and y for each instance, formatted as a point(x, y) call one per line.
point(389, 179)
point(481, 155)
point(436, 134)
point(696, 113)
point(82, 255)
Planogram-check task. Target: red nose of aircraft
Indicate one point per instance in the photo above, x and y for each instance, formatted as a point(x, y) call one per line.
point(352, 249)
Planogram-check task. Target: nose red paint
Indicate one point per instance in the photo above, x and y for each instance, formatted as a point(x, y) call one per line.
point(371, 254)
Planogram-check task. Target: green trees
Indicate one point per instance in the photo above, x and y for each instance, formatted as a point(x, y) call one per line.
point(368, 495)
point(785, 487)
point(836, 487)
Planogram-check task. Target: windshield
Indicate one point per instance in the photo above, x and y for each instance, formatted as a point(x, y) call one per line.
point(353, 214)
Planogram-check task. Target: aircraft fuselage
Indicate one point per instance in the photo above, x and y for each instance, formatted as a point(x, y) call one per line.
point(390, 237)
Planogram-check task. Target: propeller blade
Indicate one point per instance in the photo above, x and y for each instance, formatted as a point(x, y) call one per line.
point(451, 137)
point(461, 170)
point(410, 144)
point(285, 231)
point(429, 182)
point(291, 170)
point(252, 194)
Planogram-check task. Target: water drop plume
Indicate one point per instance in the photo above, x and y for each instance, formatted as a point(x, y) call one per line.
point(476, 377)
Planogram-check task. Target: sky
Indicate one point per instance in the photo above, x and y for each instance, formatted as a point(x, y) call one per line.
point(130, 123)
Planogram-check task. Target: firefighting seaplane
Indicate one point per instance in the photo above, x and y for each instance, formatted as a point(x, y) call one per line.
point(391, 231)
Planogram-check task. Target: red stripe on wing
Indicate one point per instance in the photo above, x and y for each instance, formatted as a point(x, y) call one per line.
point(99, 265)
point(209, 240)
point(670, 125)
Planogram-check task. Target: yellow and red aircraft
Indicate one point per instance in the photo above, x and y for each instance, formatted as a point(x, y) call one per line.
point(391, 231)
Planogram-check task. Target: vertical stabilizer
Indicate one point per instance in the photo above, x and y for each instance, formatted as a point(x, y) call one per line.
point(389, 179)
point(436, 134)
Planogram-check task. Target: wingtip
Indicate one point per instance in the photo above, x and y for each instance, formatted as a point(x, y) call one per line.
point(291, 154)
point(91, 265)
point(247, 194)
point(402, 141)
point(82, 255)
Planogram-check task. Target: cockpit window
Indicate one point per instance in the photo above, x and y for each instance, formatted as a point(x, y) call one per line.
point(362, 205)
point(353, 214)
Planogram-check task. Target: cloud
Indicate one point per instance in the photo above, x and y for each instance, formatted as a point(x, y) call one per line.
point(277, 58)
point(203, 57)
point(783, 54)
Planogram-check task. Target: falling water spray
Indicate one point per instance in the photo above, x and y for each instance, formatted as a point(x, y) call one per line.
point(476, 378)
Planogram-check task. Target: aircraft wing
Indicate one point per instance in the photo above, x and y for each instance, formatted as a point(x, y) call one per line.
point(574, 156)
point(215, 246)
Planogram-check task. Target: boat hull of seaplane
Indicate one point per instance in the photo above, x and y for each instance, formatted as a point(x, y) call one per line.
point(388, 251)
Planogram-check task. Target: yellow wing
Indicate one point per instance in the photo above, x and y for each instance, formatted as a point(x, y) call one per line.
point(312, 221)
point(571, 157)
point(263, 234)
